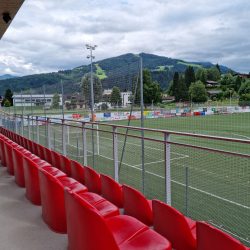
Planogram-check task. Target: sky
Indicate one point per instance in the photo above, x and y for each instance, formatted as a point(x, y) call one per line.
point(50, 35)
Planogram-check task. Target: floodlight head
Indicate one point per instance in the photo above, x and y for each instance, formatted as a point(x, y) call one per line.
point(6, 17)
point(96, 46)
point(93, 57)
point(87, 45)
point(88, 57)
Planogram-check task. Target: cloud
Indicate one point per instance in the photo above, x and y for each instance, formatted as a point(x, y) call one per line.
point(48, 36)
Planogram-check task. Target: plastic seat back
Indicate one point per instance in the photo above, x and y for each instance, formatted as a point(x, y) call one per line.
point(111, 190)
point(8, 154)
point(34, 148)
point(30, 145)
point(85, 226)
point(92, 180)
point(52, 197)
point(171, 224)
point(3, 155)
point(209, 237)
point(55, 158)
point(25, 143)
point(136, 205)
point(40, 150)
point(47, 155)
point(65, 165)
point(77, 171)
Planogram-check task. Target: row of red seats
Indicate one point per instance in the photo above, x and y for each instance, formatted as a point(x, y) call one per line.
point(78, 201)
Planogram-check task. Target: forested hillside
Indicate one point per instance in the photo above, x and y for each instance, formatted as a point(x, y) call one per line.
point(162, 70)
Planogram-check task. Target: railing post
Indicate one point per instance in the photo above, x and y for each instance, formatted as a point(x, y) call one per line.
point(48, 135)
point(63, 137)
point(37, 131)
point(28, 117)
point(8, 125)
point(22, 127)
point(167, 170)
point(16, 123)
point(84, 141)
point(115, 154)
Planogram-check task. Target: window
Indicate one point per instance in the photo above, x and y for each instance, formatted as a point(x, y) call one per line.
point(80, 106)
point(27, 100)
point(68, 97)
point(37, 100)
point(48, 100)
point(73, 97)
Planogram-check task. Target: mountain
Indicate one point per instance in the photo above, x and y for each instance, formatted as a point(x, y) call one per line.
point(7, 77)
point(162, 70)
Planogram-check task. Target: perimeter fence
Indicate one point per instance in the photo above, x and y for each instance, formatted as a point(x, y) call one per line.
point(205, 177)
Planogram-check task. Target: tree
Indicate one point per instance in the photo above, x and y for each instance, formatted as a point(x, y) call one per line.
point(220, 95)
point(86, 88)
point(215, 74)
point(175, 81)
point(245, 87)
point(237, 83)
point(181, 90)
point(104, 106)
point(218, 67)
point(170, 90)
point(8, 96)
point(151, 90)
point(189, 76)
point(230, 71)
point(227, 79)
point(55, 101)
point(204, 77)
point(199, 92)
point(115, 96)
point(7, 103)
point(68, 105)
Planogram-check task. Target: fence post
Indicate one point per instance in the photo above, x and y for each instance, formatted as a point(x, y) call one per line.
point(16, 123)
point(84, 141)
point(22, 127)
point(28, 127)
point(187, 191)
point(63, 137)
point(7, 119)
point(115, 154)
point(48, 135)
point(77, 149)
point(37, 131)
point(167, 170)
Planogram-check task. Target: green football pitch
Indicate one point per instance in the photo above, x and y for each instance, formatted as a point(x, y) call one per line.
point(218, 183)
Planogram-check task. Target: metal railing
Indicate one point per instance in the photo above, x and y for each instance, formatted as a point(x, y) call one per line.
point(205, 179)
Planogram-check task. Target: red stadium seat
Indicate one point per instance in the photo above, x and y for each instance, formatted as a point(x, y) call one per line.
point(47, 155)
point(3, 156)
point(77, 171)
point(111, 190)
point(52, 182)
point(32, 180)
point(211, 238)
point(40, 150)
point(25, 143)
point(171, 224)
point(34, 148)
point(87, 227)
point(30, 146)
point(55, 157)
point(137, 206)
point(17, 155)
point(8, 154)
point(92, 180)
point(65, 165)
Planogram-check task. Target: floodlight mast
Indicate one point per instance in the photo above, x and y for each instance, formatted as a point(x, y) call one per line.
point(92, 96)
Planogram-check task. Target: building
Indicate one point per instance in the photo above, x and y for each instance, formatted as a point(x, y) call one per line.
point(242, 76)
point(212, 83)
point(124, 95)
point(166, 98)
point(37, 100)
point(214, 92)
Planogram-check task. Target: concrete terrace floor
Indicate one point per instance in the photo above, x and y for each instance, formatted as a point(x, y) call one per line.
point(21, 224)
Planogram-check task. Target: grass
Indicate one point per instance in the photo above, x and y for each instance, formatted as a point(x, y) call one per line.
point(219, 183)
point(190, 64)
point(100, 72)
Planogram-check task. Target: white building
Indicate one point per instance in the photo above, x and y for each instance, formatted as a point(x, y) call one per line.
point(37, 100)
point(125, 96)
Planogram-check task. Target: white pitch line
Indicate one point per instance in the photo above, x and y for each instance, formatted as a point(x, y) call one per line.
point(196, 189)
point(145, 146)
point(241, 136)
